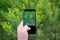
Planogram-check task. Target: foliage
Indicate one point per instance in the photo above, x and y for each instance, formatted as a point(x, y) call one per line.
point(47, 18)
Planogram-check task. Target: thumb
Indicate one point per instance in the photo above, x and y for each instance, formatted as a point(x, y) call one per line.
point(26, 28)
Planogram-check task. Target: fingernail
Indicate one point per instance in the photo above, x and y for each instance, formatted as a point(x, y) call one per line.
point(29, 28)
point(26, 25)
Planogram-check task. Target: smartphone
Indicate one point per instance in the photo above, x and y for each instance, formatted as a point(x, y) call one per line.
point(29, 17)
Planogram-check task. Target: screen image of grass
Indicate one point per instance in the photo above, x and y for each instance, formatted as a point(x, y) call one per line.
point(47, 18)
point(29, 18)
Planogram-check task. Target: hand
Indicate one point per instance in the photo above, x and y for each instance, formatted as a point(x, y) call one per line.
point(22, 31)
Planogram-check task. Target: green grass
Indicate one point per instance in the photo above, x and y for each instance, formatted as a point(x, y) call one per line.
point(47, 18)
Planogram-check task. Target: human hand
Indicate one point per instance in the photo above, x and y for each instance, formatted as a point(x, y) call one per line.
point(22, 31)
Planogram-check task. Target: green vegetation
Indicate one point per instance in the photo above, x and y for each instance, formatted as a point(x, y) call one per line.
point(29, 18)
point(47, 18)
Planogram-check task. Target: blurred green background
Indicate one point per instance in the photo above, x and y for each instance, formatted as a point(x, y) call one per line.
point(47, 18)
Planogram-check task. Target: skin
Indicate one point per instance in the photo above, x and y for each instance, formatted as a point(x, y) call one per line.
point(22, 33)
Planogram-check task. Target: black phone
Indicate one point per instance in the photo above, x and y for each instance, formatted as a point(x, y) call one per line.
point(29, 17)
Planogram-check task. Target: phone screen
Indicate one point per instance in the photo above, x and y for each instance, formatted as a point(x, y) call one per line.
point(29, 16)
